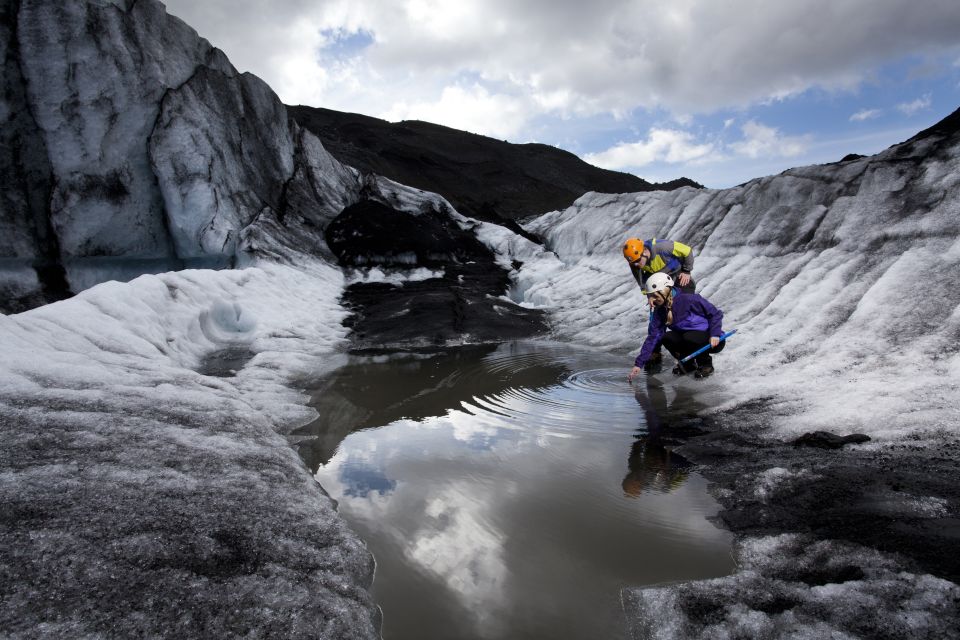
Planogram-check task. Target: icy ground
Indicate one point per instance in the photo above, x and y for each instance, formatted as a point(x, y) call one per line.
point(143, 499)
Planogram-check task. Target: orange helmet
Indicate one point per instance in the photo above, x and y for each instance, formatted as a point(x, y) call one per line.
point(632, 249)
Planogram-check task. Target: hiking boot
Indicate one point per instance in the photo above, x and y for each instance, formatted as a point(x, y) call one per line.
point(704, 372)
point(679, 370)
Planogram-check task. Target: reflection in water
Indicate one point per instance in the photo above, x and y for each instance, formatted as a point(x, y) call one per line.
point(359, 481)
point(369, 392)
point(652, 463)
point(493, 499)
point(654, 467)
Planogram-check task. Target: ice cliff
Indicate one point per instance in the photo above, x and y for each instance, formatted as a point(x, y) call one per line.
point(133, 146)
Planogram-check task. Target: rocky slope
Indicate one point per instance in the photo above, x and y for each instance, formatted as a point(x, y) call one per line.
point(461, 302)
point(481, 177)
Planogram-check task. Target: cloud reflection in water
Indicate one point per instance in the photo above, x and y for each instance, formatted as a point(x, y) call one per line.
point(513, 522)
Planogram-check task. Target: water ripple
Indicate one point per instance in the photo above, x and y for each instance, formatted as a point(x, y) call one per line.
point(612, 381)
point(587, 400)
point(532, 387)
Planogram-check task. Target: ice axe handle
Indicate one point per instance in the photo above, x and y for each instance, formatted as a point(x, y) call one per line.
point(702, 349)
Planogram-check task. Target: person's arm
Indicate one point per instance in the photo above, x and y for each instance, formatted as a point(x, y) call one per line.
point(655, 330)
point(715, 320)
point(685, 254)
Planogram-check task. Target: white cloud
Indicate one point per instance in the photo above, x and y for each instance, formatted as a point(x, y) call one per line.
point(471, 109)
point(865, 114)
point(668, 146)
point(762, 141)
point(467, 553)
point(572, 58)
point(467, 428)
point(910, 108)
point(661, 145)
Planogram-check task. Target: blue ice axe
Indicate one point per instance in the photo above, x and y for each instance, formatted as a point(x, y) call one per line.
point(702, 349)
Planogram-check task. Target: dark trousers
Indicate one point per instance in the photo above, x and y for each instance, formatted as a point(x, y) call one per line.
point(682, 343)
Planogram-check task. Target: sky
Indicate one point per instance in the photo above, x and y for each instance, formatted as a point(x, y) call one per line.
point(718, 91)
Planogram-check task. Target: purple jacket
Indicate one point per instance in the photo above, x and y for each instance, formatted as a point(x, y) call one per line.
point(691, 312)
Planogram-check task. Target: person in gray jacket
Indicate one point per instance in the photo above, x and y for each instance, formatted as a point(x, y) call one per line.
point(647, 257)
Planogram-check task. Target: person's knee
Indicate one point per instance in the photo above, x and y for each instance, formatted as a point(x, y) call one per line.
point(696, 339)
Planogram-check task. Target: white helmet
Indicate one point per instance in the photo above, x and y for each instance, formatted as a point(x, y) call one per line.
point(658, 282)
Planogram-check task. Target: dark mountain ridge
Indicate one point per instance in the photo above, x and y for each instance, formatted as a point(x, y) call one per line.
point(481, 177)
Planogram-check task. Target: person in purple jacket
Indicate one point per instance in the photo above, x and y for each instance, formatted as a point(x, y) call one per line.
point(684, 322)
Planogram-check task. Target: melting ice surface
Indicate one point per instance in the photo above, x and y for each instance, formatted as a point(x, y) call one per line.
point(511, 491)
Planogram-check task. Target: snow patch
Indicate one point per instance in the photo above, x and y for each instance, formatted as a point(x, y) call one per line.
point(391, 276)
